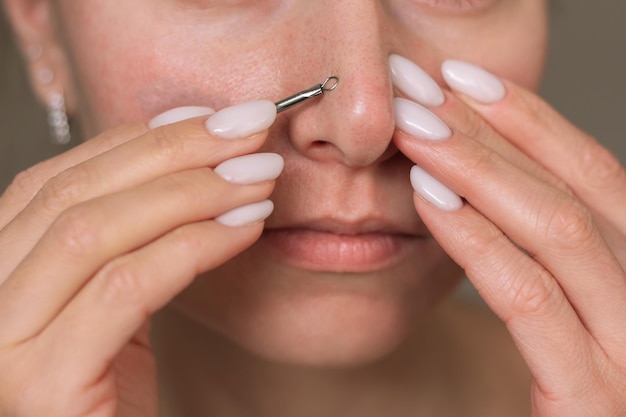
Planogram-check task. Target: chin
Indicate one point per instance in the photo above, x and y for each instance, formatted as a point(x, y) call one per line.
point(330, 332)
point(333, 332)
point(318, 319)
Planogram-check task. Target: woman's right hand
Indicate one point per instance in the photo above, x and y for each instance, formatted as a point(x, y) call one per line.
point(94, 241)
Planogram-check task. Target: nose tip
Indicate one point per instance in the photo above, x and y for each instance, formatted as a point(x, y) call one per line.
point(354, 122)
point(363, 117)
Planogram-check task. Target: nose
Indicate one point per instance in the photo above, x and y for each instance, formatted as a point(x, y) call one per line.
point(354, 123)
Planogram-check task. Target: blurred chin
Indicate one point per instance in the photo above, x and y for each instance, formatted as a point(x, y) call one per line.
point(320, 328)
point(329, 333)
point(323, 334)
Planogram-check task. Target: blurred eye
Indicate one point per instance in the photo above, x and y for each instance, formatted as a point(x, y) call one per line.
point(205, 4)
point(460, 5)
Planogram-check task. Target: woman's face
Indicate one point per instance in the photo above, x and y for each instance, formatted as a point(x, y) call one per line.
point(345, 269)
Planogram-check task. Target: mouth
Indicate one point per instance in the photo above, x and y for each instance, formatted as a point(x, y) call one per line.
point(330, 246)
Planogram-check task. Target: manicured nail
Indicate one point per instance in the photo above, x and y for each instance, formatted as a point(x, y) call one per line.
point(178, 115)
point(248, 214)
point(433, 191)
point(415, 82)
point(242, 120)
point(418, 121)
point(473, 81)
point(250, 169)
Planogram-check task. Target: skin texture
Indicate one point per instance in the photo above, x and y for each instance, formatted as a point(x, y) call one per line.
point(248, 332)
point(347, 159)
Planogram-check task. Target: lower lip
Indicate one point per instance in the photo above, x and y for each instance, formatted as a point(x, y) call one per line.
point(323, 251)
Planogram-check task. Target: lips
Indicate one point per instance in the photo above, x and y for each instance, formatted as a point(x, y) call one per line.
point(341, 247)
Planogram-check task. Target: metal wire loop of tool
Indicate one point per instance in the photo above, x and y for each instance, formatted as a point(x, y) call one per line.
point(328, 85)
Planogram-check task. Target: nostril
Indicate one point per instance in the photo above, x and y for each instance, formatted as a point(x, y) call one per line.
point(319, 144)
point(324, 150)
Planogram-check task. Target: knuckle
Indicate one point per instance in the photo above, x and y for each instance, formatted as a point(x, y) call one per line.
point(123, 283)
point(76, 232)
point(65, 189)
point(106, 141)
point(186, 241)
point(483, 242)
point(532, 295)
point(600, 168)
point(169, 143)
point(569, 224)
point(115, 137)
point(197, 187)
point(486, 244)
point(472, 125)
point(485, 161)
point(563, 186)
point(24, 185)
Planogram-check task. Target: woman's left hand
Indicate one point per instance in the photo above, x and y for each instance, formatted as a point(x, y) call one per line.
point(540, 232)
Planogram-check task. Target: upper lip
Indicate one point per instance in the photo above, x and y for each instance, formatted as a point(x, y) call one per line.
point(363, 225)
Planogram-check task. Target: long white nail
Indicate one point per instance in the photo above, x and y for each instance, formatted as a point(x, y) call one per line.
point(418, 121)
point(433, 191)
point(242, 120)
point(250, 169)
point(178, 115)
point(473, 81)
point(248, 214)
point(415, 82)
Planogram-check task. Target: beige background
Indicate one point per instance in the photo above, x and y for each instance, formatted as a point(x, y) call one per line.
point(585, 80)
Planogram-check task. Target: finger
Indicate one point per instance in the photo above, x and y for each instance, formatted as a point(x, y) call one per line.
point(548, 223)
point(465, 120)
point(106, 314)
point(414, 83)
point(591, 171)
point(156, 153)
point(521, 292)
point(588, 168)
point(89, 235)
point(28, 183)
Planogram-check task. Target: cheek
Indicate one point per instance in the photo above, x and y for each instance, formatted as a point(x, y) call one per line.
point(509, 40)
point(114, 92)
point(148, 69)
point(520, 56)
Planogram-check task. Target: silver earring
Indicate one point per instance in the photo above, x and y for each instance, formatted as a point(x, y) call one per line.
point(57, 120)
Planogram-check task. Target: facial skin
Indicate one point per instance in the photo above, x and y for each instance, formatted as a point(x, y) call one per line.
point(128, 61)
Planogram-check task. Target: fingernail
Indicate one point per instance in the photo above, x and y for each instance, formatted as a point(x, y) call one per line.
point(473, 81)
point(242, 120)
point(178, 115)
point(413, 81)
point(433, 191)
point(248, 214)
point(418, 121)
point(250, 169)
